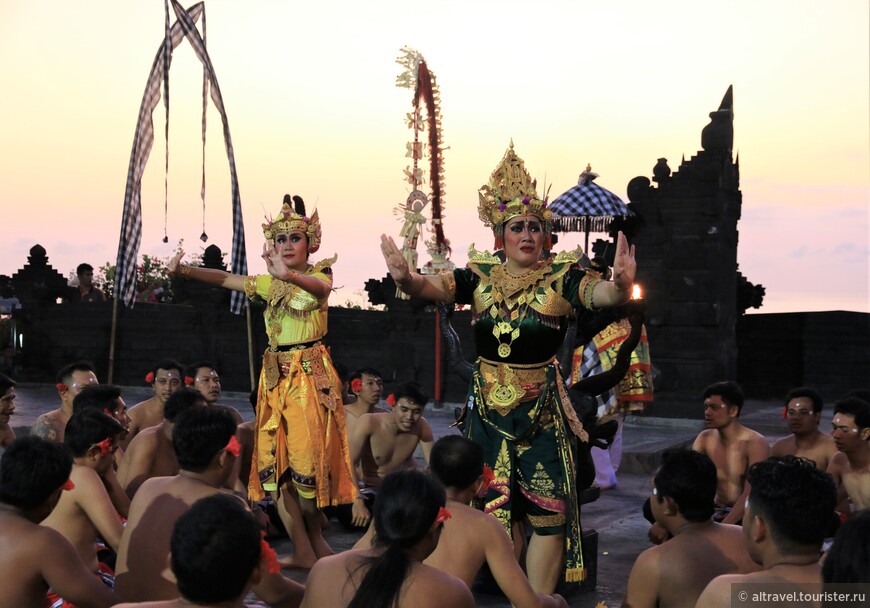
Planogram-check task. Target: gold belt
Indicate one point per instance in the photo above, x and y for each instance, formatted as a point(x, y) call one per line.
point(505, 385)
point(277, 364)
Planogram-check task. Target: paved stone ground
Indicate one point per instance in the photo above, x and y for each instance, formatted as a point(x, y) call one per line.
point(616, 515)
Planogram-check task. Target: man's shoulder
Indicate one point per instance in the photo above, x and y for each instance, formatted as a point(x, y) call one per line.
point(147, 437)
point(144, 407)
point(782, 447)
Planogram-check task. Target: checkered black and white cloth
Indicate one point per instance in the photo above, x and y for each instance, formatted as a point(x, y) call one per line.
point(131, 222)
point(586, 206)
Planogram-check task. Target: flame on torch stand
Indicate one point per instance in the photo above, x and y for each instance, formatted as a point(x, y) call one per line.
point(636, 292)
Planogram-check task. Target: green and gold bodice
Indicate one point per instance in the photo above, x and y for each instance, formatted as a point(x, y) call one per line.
point(521, 320)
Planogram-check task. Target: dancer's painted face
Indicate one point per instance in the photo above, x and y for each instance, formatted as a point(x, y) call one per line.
point(293, 248)
point(523, 240)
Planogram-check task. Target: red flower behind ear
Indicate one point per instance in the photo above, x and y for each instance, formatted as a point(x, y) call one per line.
point(188, 381)
point(391, 400)
point(149, 378)
point(233, 447)
point(488, 478)
point(61, 388)
point(784, 412)
point(268, 555)
point(443, 515)
point(356, 385)
point(105, 445)
point(68, 485)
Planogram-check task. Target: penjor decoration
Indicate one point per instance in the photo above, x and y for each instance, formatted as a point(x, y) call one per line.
point(416, 76)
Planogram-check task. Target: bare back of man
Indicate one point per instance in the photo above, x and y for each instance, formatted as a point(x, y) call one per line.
point(150, 454)
point(334, 580)
point(818, 447)
point(673, 574)
point(51, 425)
point(732, 453)
point(143, 415)
point(35, 558)
point(472, 538)
point(805, 578)
point(142, 568)
point(84, 512)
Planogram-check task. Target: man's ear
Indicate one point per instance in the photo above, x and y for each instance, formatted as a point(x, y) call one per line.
point(759, 529)
point(864, 433)
point(670, 506)
point(256, 575)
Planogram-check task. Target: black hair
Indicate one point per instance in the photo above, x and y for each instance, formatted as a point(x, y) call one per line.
point(179, 401)
point(796, 499)
point(87, 427)
point(407, 505)
point(97, 397)
point(365, 370)
point(848, 560)
point(340, 369)
point(812, 395)
point(689, 478)
point(456, 461)
point(167, 364)
point(200, 433)
point(412, 392)
point(857, 408)
point(192, 368)
point(215, 547)
point(67, 371)
point(861, 393)
point(729, 391)
point(83, 268)
point(31, 470)
point(5, 384)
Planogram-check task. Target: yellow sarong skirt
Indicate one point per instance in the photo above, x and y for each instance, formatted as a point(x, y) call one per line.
point(300, 433)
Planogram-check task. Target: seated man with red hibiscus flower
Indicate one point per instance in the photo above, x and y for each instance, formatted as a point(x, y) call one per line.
point(471, 537)
point(392, 437)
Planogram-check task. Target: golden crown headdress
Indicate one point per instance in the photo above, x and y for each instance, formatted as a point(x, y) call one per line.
point(292, 218)
point(511, 192)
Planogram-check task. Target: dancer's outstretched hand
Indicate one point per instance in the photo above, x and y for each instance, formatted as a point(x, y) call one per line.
point(173, 264)
point(396, 263)
point(624, 264)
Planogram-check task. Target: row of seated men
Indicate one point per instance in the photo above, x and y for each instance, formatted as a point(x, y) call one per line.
point(101, 456)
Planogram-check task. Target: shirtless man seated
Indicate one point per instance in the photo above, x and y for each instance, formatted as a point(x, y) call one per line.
point(205, 443)
point(7, 409)
point(151, 454)
point(216, 554)
point(785, 522)
point(392, 438)
point(70, 381)
point(471, 537)
point(165, 379)
point(86, 512)
point(803, 409)
point(732, 447)
point(673, 574)
point(850, 467)
point(35, 558)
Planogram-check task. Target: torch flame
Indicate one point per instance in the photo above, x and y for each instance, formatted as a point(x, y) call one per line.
point(635, 292)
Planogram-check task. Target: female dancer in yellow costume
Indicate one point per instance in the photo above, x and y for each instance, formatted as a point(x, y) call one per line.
point(300, 447)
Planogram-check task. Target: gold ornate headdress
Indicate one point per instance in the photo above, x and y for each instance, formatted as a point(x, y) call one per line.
point(511, 192)
point(293, 218)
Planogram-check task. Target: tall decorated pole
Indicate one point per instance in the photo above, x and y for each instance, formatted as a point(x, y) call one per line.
point(424, 116)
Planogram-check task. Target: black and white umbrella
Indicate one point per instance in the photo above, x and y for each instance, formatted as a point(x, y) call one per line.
point(587, 207)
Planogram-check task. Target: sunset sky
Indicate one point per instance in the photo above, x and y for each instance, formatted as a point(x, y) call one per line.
point(313, 110)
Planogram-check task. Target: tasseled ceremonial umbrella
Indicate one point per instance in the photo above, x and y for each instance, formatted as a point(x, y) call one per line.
point(587, 207)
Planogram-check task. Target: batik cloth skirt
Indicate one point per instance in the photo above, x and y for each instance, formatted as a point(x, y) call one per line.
point(300, 432)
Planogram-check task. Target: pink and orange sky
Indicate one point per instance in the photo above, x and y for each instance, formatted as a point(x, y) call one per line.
point(313, 110)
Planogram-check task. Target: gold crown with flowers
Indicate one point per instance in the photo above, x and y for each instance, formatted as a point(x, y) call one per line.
point(511, 191)
point(292, 218)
